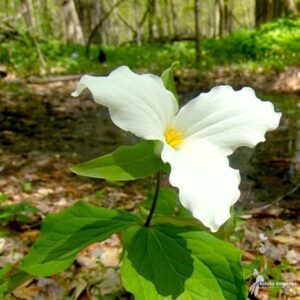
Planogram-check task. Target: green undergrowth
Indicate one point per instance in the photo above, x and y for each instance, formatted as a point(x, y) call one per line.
point(273, 45)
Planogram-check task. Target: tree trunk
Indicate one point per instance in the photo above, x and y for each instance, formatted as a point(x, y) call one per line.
point(99, 25)
point(197, 8)
point(268, 10)
point(225, 13)
point(85, 11)
point(73, 29)
point(291, 8)
point(6, 8)
point(151, 15)
point(260, 11)
point(211, 20)
point(30, 24)
point(159, 19)
point(47, 18)
point(230, 6)
point(98, 13)
point(137, 22)
point(221, 6)
point(174, 18)
point(216, 19)
point(168, 19)
point(28, 13)
point(115, 24)
point(271, 8)
point(105, 26)
point(131, 33)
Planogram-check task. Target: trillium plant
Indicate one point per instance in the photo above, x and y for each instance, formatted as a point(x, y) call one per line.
point(174, 247)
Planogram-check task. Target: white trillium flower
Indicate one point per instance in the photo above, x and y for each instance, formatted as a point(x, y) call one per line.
point(196, 138)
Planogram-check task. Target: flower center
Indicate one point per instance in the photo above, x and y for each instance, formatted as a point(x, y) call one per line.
point(173, 137)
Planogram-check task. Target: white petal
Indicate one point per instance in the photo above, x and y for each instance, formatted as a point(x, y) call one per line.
point(137, 103)
point(207, 185)
point(227, 118)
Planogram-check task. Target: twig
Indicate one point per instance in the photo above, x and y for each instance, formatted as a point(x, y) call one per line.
point(279, 198)
point(53, 79)
point(99, 24)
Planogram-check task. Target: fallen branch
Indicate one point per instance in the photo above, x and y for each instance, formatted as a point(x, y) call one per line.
point(50, 79)
point(276, 201)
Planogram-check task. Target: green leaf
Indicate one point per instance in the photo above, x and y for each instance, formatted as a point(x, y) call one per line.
point(66, 233)
point(3, 289)
point(126, 163)
point(11, 278)
point(4, 270)
point(166, 202)
point(3, 197)
point(27, 187)
point(20, 211)
point(180, 262)
point(16, 279)
point(168, 80)
point(168, 205)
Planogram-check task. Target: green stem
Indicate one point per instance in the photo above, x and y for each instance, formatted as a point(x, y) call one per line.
point(154, 202)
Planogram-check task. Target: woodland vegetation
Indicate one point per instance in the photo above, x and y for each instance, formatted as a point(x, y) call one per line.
point(62, 36)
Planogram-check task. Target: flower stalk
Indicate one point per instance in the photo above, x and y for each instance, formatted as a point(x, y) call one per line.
point(154, 202)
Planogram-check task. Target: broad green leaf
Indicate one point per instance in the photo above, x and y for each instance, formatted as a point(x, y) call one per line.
point(180, 262)
point(3, 270)
point(66, 233)
point(11, 278)
point(168, 205)
point(168, 80)
point(126, 163)
point(3, 289)
point(3, 282)
point(15, 279)
point(183, 216)
point(166, 202)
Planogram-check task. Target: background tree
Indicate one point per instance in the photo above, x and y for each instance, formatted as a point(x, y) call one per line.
point(197, 30)
point(127, 21)
point(151, 16)
point(72, 26)
point(267, 10)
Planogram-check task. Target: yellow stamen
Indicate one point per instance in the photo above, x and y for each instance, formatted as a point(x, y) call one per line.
point(173, 138)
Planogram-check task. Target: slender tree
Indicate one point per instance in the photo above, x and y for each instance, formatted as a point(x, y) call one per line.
point(73, 29)
point(137, 9)
point(99, 24)
point(197, 8)
point(291, 7)
point(267, 10)
point(159, 19)
point(151, 16)
point(167, 18)
point(28, 14)
point(174, 18)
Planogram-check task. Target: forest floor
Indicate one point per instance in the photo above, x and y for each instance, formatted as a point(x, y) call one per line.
point(287, 80)
point(44, 130)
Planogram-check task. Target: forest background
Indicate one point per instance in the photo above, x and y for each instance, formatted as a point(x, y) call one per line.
point(51, 36)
